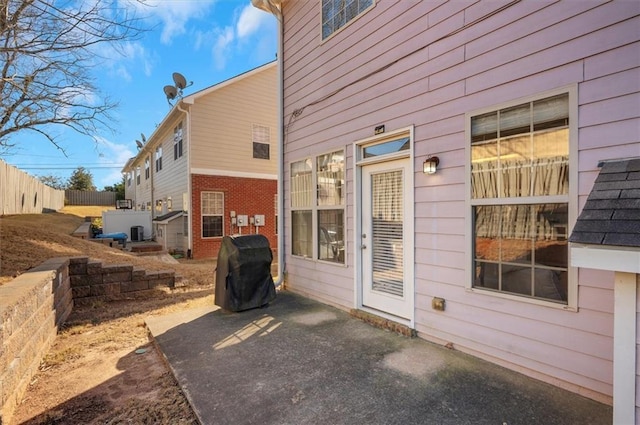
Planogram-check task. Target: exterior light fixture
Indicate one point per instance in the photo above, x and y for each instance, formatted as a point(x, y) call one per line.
point(430, 165)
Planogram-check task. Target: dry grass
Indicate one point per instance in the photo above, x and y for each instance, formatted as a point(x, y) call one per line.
point(28, 240)
point(92, 374)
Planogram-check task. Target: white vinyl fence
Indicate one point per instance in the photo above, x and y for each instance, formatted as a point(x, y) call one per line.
point(21, 193)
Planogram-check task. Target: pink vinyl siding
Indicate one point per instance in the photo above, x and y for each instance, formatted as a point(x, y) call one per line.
point(342, 88)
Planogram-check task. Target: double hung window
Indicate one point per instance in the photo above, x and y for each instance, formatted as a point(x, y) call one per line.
point(158, 158)
point(520, 199)
point(317, 207)
point(337, 13)
point(177, 141)
point(212, 209)
point(261, 136)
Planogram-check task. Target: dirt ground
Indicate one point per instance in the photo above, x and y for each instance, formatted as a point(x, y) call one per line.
point(102, 368)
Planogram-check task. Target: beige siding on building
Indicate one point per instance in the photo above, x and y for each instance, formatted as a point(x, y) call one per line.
point(172, 180)
point(222, 123)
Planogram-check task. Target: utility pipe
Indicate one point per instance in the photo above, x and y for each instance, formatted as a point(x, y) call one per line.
point(275, 8)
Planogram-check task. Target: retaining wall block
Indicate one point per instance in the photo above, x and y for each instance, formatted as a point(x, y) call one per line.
point(78, 265)
point(81, 291)
point(106, 289)
point(134, 285)
point(138, 273)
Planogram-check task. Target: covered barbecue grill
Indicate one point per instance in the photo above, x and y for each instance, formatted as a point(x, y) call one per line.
point(243, 273)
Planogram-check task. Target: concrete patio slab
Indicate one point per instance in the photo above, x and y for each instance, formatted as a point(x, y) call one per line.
point(298, 361)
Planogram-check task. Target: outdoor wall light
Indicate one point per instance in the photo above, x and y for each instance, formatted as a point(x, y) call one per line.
point(430, 165)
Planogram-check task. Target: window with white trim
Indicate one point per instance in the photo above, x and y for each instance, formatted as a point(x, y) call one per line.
point(261, 136)
point(129, 178)
point(147, 167)
point(212, 210)
point(158, 158)
point(338, 13)
point(317, 207)
point(137, 175)
point(520, 199)
point(177, 141)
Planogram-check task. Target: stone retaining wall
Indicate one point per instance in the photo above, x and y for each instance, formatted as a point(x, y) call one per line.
point(92, 281)
point(32, 306)
point(36, 303)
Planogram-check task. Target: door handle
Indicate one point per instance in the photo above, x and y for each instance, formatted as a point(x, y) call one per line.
point(363, 247)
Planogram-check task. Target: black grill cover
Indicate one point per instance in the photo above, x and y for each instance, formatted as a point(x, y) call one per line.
point(243, 273)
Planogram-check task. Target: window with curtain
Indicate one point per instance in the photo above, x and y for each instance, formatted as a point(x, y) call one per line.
point(147, 168)
point(520, 197)
point(317, 203)
point(212, 210)
point(337, 13)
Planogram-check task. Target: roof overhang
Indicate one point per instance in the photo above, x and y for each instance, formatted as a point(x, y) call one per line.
point(603, 257)
point(165, 219)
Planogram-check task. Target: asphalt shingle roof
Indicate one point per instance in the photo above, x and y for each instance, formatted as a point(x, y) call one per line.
point(167, 216)
point(611, 215)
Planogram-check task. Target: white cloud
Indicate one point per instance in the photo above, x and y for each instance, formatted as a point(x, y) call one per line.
point(250, 21)
point(173, 14)
point(120, 60)
point(112, 153)
point(222, 46)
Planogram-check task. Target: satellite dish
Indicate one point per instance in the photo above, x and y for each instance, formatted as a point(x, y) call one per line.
point(144, 139)
point(171, 92)
point(139, 143)
point(180, 81)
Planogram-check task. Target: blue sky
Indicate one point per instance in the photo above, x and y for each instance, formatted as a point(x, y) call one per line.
point(208, 41)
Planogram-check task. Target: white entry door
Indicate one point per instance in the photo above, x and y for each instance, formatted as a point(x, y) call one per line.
point(387, 220)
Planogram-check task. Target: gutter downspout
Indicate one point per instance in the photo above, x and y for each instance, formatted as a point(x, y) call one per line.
point(189, 186)
point(275, 8)
point(281, 253)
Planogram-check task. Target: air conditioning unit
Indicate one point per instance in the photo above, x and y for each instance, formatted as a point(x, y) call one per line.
point(137, 233)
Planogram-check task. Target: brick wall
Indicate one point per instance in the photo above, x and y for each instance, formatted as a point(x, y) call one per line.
point(247, 196)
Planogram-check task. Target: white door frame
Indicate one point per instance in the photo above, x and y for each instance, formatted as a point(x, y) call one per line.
point(409, 255)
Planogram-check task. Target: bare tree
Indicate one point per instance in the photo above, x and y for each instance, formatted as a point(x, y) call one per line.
point(48, 49)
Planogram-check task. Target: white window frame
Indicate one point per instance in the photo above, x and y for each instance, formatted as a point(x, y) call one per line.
point(202, 214)
point(347, 23)
point(571, 199)
point(315, 208)
point(158, 158)
point(261, 134)
point(178, 141)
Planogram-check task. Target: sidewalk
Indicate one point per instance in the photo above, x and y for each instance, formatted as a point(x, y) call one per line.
point(302, 362)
